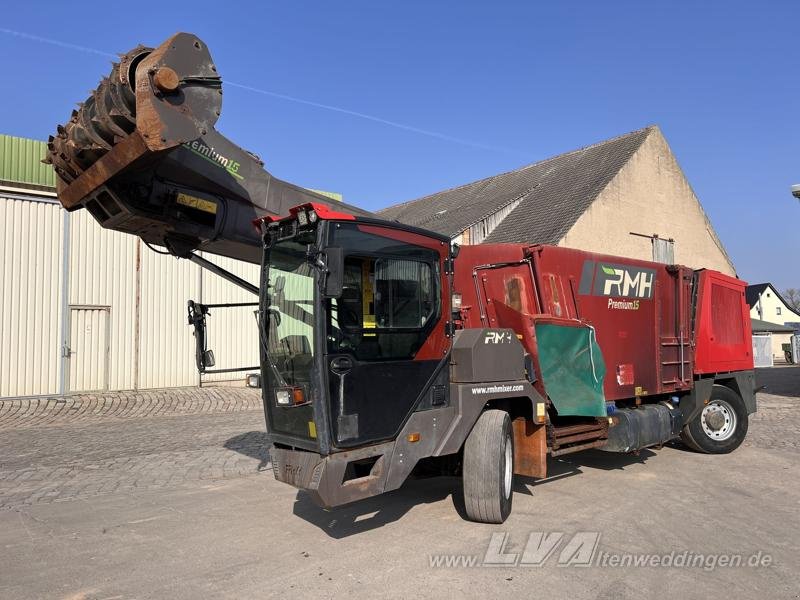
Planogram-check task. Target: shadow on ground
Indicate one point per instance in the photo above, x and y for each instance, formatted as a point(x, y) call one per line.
point(372, 513)
point(780, 380)
point(572, 464)
point(253, 444)
point(369, 514)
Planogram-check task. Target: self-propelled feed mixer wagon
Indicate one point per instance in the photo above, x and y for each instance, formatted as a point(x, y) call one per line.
point(384, 346)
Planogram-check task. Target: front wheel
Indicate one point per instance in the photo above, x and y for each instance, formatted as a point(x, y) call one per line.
point(488, 470)
point(721, 426)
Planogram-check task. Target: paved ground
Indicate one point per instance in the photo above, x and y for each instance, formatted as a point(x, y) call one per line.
point(169, 494)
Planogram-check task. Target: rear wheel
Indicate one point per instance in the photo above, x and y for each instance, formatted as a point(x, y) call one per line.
point(721, 426)
point(488, 470)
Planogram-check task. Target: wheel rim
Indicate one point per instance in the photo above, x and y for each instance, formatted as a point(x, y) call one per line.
point(719, 420)
point(509, 468)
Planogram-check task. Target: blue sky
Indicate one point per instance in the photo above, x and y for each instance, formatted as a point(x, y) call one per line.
point(477, 88)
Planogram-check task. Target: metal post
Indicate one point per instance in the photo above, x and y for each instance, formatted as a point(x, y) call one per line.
point(65, 249)
point(137, 314)
point(227, 275)
point(200, 295)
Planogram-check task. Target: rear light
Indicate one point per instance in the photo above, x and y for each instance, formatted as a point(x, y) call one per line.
point(290, 396)
point(302, 218)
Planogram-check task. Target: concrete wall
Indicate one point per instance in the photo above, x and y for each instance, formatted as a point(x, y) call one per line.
point(650, 195)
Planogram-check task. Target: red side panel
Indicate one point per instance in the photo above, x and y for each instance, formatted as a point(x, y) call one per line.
point(639, 310)
point(723, 336)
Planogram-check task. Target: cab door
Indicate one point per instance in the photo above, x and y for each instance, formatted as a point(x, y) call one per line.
point(386, 339)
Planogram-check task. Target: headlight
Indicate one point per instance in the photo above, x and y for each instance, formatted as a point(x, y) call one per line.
point(456, 301)
point(302, 218)
point(294, 396)
point(312, 216)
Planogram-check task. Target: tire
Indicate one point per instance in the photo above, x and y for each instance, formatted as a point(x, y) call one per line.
point(728, 428)
point(488, 469)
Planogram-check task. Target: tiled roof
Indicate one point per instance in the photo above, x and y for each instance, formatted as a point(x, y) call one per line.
point(552, 195)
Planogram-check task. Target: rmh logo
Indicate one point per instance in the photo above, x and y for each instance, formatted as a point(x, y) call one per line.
point(497, 337)
point(629, 283)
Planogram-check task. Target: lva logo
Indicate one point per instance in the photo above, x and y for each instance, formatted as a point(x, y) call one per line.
point(621, 281)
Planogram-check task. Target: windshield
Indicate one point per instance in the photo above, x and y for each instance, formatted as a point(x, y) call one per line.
point(290, 324)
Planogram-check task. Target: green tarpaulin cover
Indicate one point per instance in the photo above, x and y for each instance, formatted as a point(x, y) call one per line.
point(572, 369)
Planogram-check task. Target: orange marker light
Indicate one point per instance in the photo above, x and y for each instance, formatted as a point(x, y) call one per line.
point(541, 415)
point(412, 437)
point(298, 396)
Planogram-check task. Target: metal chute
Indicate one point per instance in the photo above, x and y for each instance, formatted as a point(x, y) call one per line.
point(141, 154)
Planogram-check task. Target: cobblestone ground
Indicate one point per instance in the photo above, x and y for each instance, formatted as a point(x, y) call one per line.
point(776, 425)
point(55, 450)
point(24, 413)
point(167, 494)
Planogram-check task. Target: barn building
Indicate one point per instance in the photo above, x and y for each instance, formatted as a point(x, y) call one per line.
point(626, 196)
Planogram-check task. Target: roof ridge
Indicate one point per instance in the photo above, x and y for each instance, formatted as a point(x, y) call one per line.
point(522, 168)
point(566, 226)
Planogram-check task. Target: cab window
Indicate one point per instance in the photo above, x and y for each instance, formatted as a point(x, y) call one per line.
point(385, 306)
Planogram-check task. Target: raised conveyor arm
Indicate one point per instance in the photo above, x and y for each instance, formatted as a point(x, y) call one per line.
point(142, 156)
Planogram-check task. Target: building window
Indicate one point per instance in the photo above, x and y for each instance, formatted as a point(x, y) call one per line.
point(777, 310)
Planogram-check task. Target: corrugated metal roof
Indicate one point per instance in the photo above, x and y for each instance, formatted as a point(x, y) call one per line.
point(550, 195)
point(20, 162)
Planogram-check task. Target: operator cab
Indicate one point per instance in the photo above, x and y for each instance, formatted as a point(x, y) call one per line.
point(354, 321)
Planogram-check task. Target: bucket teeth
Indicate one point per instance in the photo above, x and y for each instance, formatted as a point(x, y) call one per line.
point(98, 123)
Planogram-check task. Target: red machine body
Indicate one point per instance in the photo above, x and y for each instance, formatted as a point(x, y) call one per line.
point(659, 326)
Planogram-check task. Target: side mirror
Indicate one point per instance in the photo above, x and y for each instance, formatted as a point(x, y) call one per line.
point(208, 359)
point(334, 276)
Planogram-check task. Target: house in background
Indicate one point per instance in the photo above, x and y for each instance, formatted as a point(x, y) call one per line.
point(768, 340)
point(625, 196)
point(770, 313)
